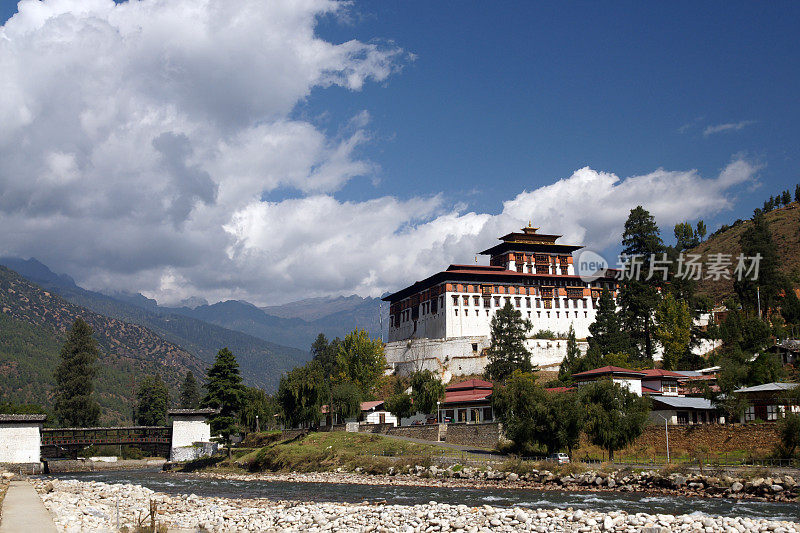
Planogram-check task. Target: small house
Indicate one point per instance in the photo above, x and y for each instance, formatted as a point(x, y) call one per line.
point(468, 401)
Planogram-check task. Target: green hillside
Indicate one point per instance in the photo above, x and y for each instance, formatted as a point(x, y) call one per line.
point(33, 326)
point(784, 223)
point(261, 362)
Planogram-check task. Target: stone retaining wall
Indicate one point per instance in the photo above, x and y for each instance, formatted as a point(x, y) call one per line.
point(478, 435)
point(426, 432)
point(714, 439)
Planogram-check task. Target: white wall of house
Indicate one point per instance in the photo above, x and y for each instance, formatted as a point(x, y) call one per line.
point(186, 430)
point(20, 442)
point(670, 414)
point(632, 384)
point(374, 417)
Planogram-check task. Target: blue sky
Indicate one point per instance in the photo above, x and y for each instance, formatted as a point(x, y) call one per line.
point(281, 150)
point(510, 96)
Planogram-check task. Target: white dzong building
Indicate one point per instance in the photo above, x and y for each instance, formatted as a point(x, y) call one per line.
point(442, 323)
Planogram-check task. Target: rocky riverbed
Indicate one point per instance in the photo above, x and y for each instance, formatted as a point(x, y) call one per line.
point(92, 506)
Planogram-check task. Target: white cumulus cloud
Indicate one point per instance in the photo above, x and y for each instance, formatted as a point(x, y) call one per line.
point(728, 126)
point(140, 143)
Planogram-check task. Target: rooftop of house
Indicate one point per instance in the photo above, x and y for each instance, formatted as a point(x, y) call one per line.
point(609, 370)
point(680, 402)
point(768, 387)
point(192, 412)
point(470, 384)
point(660, 373)
point(22, 418)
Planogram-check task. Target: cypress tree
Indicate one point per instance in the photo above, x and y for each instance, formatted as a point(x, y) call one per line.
point(639, 297)
point(757, 239)
point(75, 404)
point(224, 392)
point(152, 402)
point(572, 359)
point(190, 393)
point(607, 334)
point(507, 351)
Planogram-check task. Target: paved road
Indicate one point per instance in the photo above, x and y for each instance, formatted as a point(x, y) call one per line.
point(23, 510)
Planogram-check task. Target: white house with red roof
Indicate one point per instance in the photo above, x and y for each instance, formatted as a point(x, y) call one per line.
point(661, 386)
point(624, 377)
point(468, 401)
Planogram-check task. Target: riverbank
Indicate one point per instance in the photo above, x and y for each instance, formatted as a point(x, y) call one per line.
point(763, 488)
point(88, 465)
point(91, 506)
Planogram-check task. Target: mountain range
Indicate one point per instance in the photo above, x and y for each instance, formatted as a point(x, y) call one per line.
point(266, 345)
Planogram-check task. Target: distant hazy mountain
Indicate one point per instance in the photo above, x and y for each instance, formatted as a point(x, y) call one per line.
point(334, 317)
point(262, 362)
point(312, 309)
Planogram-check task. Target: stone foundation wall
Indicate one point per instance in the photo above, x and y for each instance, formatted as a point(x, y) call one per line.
point(478, 435)
point(713, 439)
point(426, 432)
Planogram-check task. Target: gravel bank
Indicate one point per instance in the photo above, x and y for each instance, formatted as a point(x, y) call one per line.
point(90, 506)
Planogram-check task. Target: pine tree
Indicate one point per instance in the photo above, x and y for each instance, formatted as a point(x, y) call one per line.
point(75, 404)
point(152, 402)
point(757, 239)
point(701, 230)
point(673, 329)
point(797, 193)
point(572, 358)
point(606, 332)
point(507, 351)
point(639, 297)
point(224, 392)
point(190, 393)
point(786, 197)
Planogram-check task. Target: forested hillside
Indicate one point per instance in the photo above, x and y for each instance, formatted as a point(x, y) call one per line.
point(262, 362)
point(33, 327)
point(784, 224)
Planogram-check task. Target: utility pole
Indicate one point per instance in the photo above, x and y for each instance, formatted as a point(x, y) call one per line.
point(666, 432)
point(758, 298)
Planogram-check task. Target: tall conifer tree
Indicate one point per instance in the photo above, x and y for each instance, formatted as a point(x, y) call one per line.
point(75, 404)
point(152, 402)
point(190, 392)
point(507, 351)
point(639, 297)
point(224, 392)
point(757, 239)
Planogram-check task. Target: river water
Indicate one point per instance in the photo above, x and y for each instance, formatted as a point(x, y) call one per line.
point(409, 495)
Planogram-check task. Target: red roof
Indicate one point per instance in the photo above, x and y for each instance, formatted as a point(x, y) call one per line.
point(658, 372)
point(470, 384)
point(560, 389)
point(473, 390)
point(602, 371)
point(368, 406)
point(648, 390)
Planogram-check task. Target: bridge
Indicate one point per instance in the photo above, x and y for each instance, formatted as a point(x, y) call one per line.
point(24, 440)
point(70, 441)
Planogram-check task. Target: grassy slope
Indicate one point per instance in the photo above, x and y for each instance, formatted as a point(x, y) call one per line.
point(317, 452)
point(785, 226)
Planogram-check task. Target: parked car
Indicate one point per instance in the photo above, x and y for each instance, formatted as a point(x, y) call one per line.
point(559, 458)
